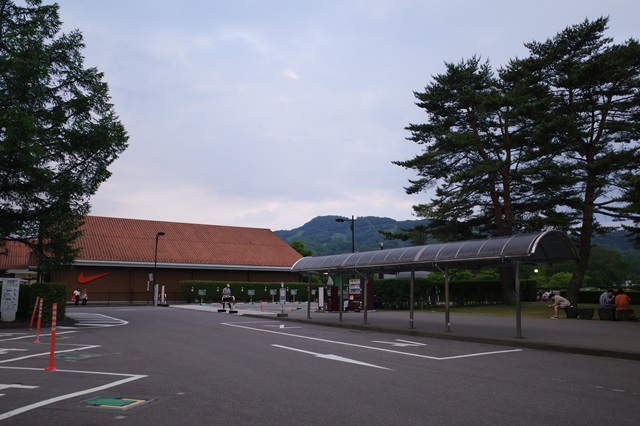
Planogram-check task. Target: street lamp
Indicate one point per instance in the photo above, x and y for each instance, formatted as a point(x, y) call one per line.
point(353, 240)
point(155, 267)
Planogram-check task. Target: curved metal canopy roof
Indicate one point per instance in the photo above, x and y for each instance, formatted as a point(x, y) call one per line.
point(544, 247)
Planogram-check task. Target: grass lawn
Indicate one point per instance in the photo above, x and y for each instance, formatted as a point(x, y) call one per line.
point(529, 309)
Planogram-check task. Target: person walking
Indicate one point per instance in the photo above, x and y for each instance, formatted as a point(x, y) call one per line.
point(76, 296)
point(84, 296)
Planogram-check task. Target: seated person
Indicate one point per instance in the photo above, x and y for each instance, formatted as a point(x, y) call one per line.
point(606, 300)
point(622, 301)
point(559, 302)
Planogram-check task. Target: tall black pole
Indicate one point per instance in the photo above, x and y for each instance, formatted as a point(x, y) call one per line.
point(155, 267)
point(353, 235)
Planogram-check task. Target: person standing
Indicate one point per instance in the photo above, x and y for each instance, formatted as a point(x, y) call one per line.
point(227, 297)
point(84, 296)
point(559, 302)
point(76, 296)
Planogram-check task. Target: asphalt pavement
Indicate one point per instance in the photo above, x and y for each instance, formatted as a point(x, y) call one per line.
point(615, 339)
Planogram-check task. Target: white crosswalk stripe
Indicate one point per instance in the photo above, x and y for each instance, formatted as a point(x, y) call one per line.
point(90, 320)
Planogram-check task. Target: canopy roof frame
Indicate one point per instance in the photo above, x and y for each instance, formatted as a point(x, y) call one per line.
point(536, 248)
point(547, 247)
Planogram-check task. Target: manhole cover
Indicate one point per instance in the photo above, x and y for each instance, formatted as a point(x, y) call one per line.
point(122, 403)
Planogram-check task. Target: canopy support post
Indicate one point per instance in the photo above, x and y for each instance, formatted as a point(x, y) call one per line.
point(518, 305)
point(340, 297)
point(309, 298)
point(446, 300)
point(413, 274)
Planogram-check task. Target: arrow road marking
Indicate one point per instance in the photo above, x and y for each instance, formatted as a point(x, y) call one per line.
point(373, 348)
point(333, 357)
point(401, 343)
point(280, 326)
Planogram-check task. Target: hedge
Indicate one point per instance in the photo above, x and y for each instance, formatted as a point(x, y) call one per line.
point(390, 293)
point(190, 290)
point(394, 293)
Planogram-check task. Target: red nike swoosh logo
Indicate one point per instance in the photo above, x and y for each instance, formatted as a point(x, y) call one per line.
point(83, 280)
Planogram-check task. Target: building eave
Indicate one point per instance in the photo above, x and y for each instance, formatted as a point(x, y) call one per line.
point(165, 265)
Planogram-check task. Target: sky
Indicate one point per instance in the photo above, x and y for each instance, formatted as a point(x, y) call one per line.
point(268, 113)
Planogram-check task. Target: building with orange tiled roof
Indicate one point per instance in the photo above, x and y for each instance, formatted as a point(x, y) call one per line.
point(117, 257)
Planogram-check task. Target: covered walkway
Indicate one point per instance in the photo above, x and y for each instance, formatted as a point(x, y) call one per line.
point(548, 247)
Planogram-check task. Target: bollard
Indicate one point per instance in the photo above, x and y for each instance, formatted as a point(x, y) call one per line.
point(54, 314)
point(33, 315)
point(39, 322)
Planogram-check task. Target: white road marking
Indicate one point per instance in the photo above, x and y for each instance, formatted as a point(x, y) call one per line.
point(48, 353)
point(31, 336)
point(401, 343)
point(6, 351)
point(14, 386)
point(239, 325)
point(333, 357)
point(128, 378)
point(281, 326)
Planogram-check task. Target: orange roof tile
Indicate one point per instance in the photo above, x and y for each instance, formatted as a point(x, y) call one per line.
point(14, 255)
point(133, 240)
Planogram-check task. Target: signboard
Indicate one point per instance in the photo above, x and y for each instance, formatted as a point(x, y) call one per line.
point(273, 291)
point(294, 291)
point(251, 292)
point(283, 295)
point(202, 292)
point(9, 303)
point(354, 286)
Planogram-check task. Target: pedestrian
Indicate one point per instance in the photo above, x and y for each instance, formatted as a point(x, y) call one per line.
point(607, 303)
point(226, 297)
point(623, 303)
point(84, 297)
point(559, 302)
point(76, 296)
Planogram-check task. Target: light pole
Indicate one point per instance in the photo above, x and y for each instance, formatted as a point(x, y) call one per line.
point(155, 267)
point(353, 239)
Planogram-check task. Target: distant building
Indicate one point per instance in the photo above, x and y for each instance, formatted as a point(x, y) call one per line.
point(117, 257)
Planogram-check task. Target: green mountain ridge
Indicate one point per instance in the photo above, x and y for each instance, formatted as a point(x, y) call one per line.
point(324, 236)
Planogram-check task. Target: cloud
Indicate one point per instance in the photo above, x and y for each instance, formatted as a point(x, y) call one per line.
point(290, 74)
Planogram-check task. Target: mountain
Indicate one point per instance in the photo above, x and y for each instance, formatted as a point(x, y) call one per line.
point(324, 236)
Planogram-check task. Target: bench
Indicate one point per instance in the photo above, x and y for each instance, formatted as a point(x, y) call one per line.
point(625, 315)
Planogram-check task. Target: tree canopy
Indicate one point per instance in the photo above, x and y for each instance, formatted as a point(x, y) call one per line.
point(547, 141)
point(58, 133)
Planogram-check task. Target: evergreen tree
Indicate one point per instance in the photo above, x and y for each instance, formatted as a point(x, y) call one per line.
point(58, 132)
point(550, 142)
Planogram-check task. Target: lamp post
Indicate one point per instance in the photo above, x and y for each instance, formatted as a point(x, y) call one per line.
point(155, 267)
point(353, 240)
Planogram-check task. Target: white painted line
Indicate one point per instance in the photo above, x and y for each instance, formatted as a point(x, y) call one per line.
point(367, 347)
point(413, 343)
point(31, 336)
point(128, 378)
point(47, 354)
point(400, 343)
point(333, 357)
